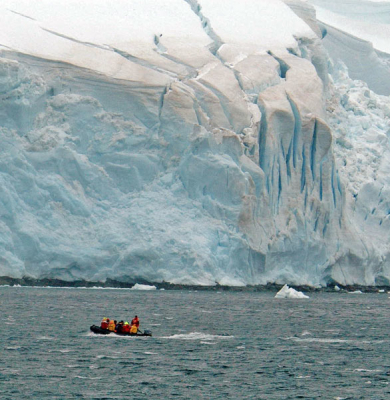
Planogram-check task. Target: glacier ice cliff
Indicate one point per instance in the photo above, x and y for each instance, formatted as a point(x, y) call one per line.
point(187, 141)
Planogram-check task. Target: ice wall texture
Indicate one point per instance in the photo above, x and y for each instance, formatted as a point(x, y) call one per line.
point(185, 141)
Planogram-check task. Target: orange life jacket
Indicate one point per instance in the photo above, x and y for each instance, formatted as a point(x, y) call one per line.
point(133, 329)
point(111, 325)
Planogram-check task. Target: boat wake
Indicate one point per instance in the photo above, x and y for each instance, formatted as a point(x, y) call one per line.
point(197, 336)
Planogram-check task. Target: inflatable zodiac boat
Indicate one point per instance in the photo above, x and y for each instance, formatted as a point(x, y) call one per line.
point(100, 331)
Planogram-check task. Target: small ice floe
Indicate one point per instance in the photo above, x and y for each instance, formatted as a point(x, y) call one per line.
point(356, 292)
point(289, 293)
point(381, 291)
point(138, 286)
point(336, 288)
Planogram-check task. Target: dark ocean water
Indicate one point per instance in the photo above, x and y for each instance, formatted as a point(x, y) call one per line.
point(205, 345)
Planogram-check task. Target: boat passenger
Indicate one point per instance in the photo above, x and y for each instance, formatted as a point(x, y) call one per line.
point(111, 325)
point(119, 327)
point(135, 321)
point(104, 323)
point(133, 330)
point(134, 325)
point(126, 327)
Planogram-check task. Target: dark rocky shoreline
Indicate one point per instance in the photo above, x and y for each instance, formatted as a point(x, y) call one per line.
point(109, 283)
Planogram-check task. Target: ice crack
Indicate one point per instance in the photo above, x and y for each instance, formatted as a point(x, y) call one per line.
point(22, 15)
point(206, 25)
point(104, 47)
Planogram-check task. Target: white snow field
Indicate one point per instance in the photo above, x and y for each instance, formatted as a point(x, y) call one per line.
point(193, 142)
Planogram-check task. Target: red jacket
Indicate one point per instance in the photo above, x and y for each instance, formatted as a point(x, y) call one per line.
point(104, 324)
point(126, 328)
point(135, 321)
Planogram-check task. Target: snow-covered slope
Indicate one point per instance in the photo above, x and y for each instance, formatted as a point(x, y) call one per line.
point(357, 32)
point(185, 141)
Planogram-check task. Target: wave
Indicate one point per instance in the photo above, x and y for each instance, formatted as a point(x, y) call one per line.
point(88, 377)
point(45, 338)
point(61, 351)
point(333, 340)
point(104, 357)
point(368, 370)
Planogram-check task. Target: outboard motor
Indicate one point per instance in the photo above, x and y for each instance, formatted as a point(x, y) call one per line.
point(147, 332)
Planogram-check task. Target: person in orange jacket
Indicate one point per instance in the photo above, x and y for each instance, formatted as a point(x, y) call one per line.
point(111, 325)
point(134, 325)
point(104, 323)
point(135, 321)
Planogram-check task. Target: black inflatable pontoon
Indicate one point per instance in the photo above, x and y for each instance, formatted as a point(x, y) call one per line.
point(100, 331)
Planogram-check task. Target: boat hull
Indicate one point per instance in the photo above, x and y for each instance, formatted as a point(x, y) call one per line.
point(100, 331)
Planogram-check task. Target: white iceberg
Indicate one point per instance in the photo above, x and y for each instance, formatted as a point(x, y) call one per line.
point(287, 292)
point(139, 286)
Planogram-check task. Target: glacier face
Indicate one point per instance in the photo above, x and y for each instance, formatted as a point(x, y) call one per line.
point(195, 142)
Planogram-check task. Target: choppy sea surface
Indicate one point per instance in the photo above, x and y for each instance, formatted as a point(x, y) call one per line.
point(205, 345)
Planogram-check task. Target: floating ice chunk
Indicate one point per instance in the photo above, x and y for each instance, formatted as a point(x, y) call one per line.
point(336, 288)
point(138, 286)
point(356, 292)
point(289, 293)
point(381, 291)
